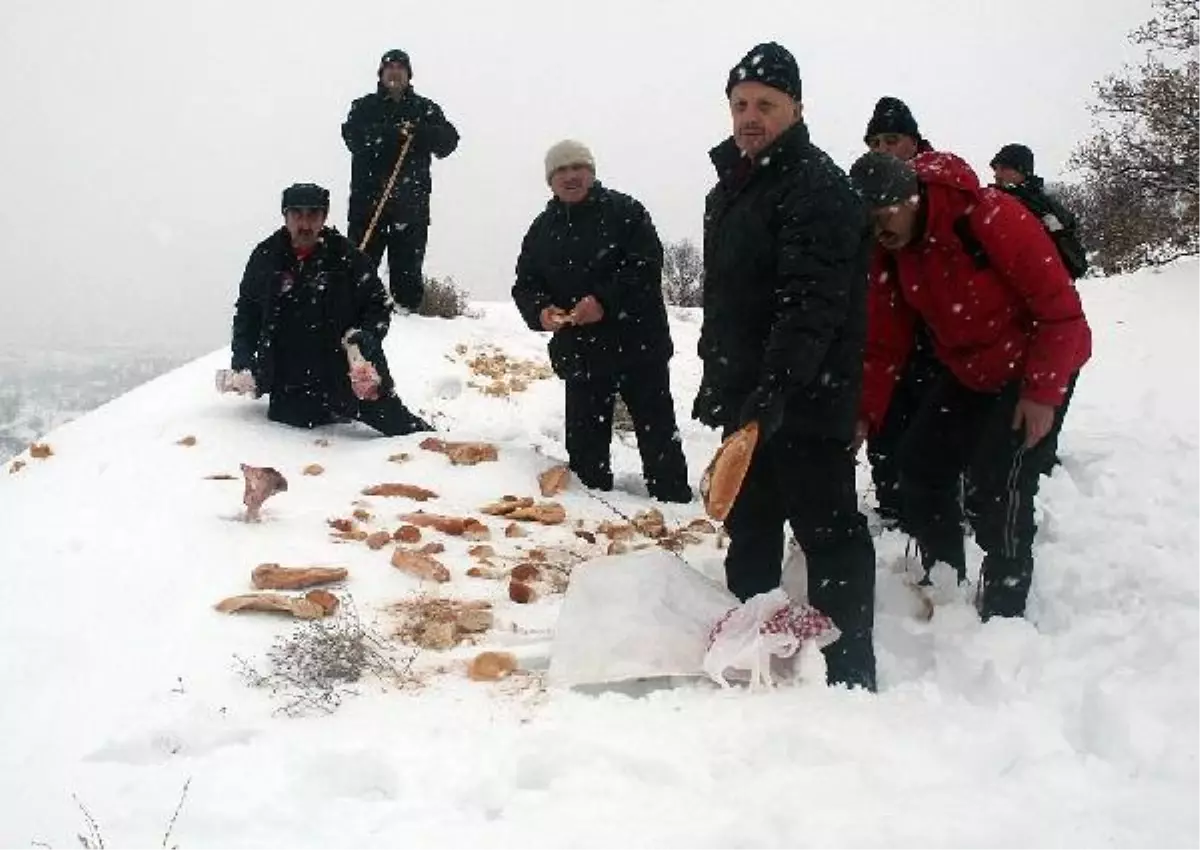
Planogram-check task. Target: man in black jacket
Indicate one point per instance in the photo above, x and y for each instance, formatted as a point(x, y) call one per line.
point(376, 130)
point(785, 272)
point(307, 298)
point(1013, 168)
point(590, 272)
point(893, 129)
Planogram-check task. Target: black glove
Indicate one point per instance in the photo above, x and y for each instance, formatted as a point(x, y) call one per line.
point(708, 410)
point(765, 406)
point(408, 130)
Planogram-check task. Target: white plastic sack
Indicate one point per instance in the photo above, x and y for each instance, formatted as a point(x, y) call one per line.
point(640, 615)
point(748, 639)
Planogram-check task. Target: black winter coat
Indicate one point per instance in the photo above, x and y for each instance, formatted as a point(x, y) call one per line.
point(1059, 222)
point(786, 247)
point(605, 246)
point(349, 295)
point(372, 133)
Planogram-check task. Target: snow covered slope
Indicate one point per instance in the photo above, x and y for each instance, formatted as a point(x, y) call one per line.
point(118, 682)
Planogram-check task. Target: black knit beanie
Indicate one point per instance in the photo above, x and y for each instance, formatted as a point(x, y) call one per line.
point(1015, 156)
point(770, 64)
point(892, 115)
point(395, 55)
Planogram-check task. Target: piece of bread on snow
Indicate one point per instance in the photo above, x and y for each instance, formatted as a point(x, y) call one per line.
point(420, 566)
point(262, 482)
point(554, 480)
point(275, 577)
point(491, 666)
point(297, 606)
point(407, 491)
point(462, 453)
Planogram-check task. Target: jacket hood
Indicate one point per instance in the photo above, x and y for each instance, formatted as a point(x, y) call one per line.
point(951, 188)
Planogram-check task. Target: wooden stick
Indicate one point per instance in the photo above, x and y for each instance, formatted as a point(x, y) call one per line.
point(387, 192)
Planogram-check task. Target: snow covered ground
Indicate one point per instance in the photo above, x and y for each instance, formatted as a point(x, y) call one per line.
point(1078, 727)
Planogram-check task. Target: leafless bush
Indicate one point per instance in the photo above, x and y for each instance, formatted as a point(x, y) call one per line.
point(315, 667)
point(1139, 196)
point(683, 274)
point(94, 839)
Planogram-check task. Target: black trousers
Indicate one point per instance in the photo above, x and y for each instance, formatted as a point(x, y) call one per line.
point(809, 484)
point(589, 424)
point(309, 408)
point(404, 238)
point(959, 431)
point(920, 374)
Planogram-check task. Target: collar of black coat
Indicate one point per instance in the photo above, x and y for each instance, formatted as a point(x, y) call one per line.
point(382, 91)
point(1029, 191)
point(789, 148)
point(554, 205)
point(327, 234)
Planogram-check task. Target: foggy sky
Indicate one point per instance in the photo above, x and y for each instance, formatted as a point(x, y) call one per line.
point(146, 142)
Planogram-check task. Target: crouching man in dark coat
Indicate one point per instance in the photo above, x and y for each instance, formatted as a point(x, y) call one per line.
point(786, 243)
point(590, 272)
point(310, 304)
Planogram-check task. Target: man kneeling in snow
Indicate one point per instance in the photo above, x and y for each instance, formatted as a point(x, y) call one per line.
point(309, 322)
point(1004, 319)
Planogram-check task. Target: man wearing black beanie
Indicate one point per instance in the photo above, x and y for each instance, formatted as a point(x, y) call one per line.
point(391, 122)
point(893, 130)
point(1013, 168)
point(785, 270)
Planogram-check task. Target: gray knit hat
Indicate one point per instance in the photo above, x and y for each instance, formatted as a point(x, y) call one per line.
point(568, 152)
point(883, 180)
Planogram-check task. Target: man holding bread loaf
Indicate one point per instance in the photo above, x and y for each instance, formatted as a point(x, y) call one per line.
point(785, 270)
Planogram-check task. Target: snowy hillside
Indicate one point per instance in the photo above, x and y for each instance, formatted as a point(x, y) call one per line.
point(120, 683)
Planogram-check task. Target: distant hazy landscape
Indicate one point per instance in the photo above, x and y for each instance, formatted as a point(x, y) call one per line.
point(40, 390)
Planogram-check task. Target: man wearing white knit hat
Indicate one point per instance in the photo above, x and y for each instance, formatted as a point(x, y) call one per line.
point(590, 272)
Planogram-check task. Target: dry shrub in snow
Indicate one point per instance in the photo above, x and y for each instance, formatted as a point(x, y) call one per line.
point(444, 299)
point(315, 667)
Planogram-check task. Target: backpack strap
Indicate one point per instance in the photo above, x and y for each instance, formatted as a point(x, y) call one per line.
point(970, 242)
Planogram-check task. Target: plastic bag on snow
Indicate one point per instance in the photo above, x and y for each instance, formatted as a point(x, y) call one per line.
point(769, 626)
point(641, 615)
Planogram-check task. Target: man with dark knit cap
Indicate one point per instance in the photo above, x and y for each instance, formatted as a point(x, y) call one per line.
point(1006, 322)
point(376, 131)
point(786, 241)
point(309, 324)
point(893, 130)
point(1013, 169)
point(590, 273)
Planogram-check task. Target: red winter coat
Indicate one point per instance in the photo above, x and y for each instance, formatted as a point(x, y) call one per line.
point(1019, 317)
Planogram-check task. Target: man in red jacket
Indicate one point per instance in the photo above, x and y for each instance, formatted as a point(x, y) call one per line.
point(1006, 321)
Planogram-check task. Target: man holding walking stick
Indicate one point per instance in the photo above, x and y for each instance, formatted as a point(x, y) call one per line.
point(393, 134)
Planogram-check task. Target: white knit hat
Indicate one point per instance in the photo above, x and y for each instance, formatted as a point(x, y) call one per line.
point(568, 152)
